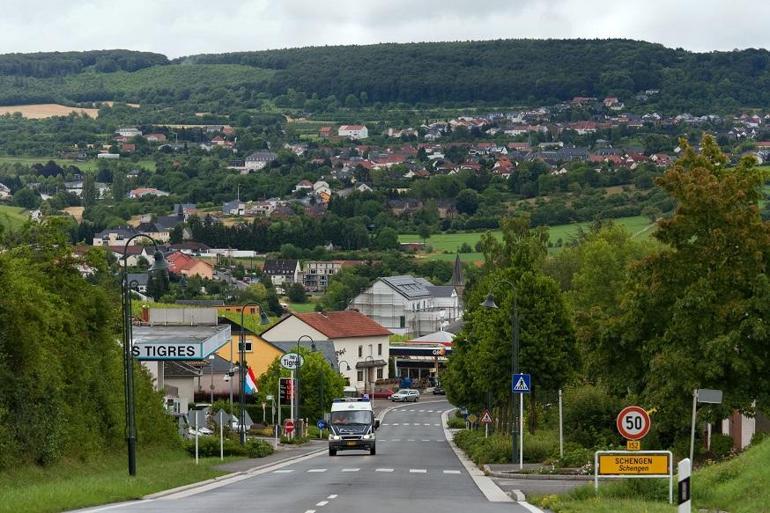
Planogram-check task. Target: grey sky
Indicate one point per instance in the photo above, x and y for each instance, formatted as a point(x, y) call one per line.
point(196, 26)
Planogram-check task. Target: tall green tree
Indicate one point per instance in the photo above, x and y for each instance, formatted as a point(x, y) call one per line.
point(89, 190)
point(695, 313)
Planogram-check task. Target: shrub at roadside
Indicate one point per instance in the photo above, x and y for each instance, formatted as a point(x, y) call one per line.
point(497, 448)
point(297, 440)
point(456, 423)
point(586, 410)
point(258, 449)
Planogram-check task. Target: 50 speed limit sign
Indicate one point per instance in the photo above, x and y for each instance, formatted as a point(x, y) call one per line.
point(633, 423)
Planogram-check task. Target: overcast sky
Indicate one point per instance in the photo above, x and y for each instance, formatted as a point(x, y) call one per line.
point(185, 27)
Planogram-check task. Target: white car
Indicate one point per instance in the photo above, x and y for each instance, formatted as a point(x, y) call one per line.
point(405, 395)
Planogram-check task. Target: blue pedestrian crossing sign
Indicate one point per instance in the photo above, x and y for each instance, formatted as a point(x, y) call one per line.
point(522, 383)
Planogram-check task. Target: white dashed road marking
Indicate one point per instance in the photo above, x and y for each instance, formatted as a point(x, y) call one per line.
point(282, 471)
point(418, 471)
point(310, 511)
point(451, 472)
point(384, 470)
point(322, 503)
point(317, 470)
point(351, 469)
point(332, 496)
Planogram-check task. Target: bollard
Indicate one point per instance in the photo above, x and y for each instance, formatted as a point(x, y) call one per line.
point(685, 502)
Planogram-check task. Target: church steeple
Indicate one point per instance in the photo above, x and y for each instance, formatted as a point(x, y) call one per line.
point(458, 280)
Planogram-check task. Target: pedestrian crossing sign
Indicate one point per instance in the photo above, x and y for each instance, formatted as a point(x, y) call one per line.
point(522, 383)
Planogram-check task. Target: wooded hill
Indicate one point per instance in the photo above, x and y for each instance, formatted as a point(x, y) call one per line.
point(503, 72)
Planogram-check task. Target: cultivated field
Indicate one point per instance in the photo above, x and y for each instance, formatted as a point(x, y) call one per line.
point(46, 110)
point(85, 165)
point(445, 245)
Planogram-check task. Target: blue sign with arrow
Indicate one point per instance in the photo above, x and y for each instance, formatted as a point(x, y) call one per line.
point(521, 383)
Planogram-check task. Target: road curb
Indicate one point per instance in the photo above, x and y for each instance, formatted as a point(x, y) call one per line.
point(171, 491)
point(541, 477)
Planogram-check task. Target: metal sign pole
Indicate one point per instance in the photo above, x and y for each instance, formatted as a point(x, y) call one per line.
point(692, 430)
point(196, 436)
point(561, 428)
point(293, 393)
point(278, 424)
point(221, 435)
point(521, 431)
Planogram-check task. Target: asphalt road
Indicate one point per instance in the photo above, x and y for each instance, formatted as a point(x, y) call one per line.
point(414, 471)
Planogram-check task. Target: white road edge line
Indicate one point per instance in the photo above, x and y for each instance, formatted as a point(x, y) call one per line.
point(519, 496)
point(489, 488)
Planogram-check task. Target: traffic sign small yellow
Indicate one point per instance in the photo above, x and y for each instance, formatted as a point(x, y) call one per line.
point(633, 445)
point(639, 464)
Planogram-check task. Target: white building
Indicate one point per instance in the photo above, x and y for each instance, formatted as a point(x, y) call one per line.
point(258, 160)
point(5, 192)
point(409, 306)
point(282, 271)
point(128, 132)
point(362, 345)
point(353, 131)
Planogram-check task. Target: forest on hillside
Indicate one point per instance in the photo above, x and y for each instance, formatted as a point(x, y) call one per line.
point(501, 72)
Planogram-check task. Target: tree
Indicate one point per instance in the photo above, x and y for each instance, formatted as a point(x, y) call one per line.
point(467, 201)
point(177, 234)
point(89, 190)
point(387, 239)
point(424, 231)
point(481, 361)
point(119, 186)
point(296, 293)
point(26, 198)
point(315, 374)
point(695, 314)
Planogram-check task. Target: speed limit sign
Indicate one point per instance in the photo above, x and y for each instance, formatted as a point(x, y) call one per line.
point(633, 423)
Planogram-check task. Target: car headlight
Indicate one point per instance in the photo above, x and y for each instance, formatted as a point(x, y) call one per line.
point(369, 437)
point(335, 437)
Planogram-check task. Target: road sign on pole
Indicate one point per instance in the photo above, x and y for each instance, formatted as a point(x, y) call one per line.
point(521, 383)
point(288, 426)
point(633, 423)
point(292, 361)
point(486, 418)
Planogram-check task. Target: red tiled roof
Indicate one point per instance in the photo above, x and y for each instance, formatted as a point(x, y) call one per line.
point(343, 324)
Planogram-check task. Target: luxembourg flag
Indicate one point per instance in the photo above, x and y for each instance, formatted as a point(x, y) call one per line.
point(250, 386)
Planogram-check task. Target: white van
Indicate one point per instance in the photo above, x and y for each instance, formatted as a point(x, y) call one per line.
point(352, 426)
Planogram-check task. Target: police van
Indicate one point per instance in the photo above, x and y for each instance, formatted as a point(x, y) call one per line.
point(351, 426)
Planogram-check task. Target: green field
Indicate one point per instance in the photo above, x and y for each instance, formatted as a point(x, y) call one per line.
point(87, 165)
point(12, 217)
point(445, 245)
point(102, 480)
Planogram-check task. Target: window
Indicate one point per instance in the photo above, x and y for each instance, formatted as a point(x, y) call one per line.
point(379, 349)
point(360, 352)
point(401, 322)
point(360, 375)
point(379, 373)
point(248, 347)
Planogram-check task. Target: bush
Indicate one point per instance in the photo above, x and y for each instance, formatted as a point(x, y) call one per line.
point(456, 423)
point(540, 446)
point(208, 447)
point(576, 457)
point(258, 449)
point(297, 440)
point(586, 410)
point(721, 445)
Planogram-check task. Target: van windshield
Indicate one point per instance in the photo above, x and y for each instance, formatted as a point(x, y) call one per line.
point(342, 418)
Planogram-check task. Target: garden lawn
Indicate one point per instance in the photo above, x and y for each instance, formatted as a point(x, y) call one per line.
point(73, 485)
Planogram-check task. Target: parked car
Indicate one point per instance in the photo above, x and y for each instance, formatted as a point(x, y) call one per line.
point(439, 390)
point(405, 395)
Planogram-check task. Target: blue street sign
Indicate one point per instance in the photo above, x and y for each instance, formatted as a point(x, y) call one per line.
point(521, 383)
point(321, 424)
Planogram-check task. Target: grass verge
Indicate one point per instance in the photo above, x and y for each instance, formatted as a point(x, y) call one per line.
point(73, 485)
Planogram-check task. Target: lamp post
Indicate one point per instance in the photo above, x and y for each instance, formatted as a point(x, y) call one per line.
point(347, 369)
point(242, 377)
point(517, 435)
point(323, 379)
point(296, 392)
point(211, 386)
point(160, 267)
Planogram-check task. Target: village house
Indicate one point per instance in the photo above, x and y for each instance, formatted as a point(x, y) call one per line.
point(141, 192)
point(353, 131)
point(282, 271)
point(259, 160)
point(186, 265)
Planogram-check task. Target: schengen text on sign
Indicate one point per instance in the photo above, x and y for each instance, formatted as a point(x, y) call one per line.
point(634, 464)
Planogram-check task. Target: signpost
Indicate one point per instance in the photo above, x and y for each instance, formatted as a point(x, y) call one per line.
point(635, 465)
point(292, 361)
point(522, 384)
point(633, 423)
point(486, 419)
point(633, 445)
point(702, 395)
point(288, 426)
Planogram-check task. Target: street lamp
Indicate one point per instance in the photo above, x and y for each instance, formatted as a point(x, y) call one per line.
point(298, 366)
point(517, 437)
point(159, 267)
point(211, 386)
point(323, 405)
point(242, 374)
